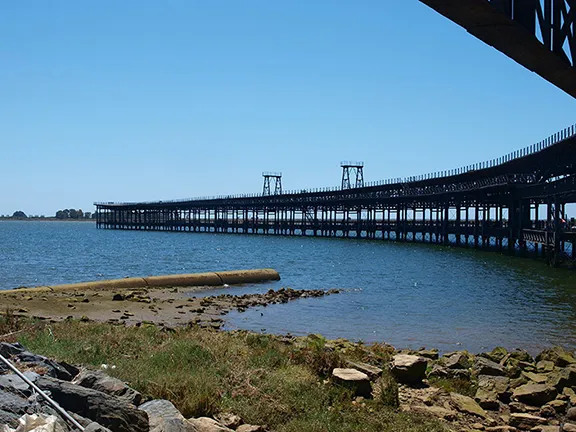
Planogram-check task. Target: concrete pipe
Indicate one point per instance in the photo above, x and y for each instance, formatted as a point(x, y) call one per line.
point(248, 276)
point(182, 280)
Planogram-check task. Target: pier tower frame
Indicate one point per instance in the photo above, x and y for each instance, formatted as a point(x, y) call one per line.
point(354, 168)
point(269, 179)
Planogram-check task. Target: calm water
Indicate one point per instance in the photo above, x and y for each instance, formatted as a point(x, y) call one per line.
point(403, 294)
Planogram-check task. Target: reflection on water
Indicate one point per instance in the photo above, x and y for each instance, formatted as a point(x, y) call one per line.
point(409, 295)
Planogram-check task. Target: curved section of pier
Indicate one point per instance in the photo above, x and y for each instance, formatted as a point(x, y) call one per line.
point(514, 203)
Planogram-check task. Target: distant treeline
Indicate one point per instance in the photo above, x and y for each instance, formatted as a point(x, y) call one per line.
point(60, 214)
point(74, 214)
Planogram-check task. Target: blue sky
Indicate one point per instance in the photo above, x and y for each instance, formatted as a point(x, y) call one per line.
point(127, 101)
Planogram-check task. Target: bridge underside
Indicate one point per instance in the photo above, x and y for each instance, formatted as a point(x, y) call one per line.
point(538, 34)
point(514, 204)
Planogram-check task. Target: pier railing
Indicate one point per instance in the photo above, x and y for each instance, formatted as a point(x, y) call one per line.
point(567, 133)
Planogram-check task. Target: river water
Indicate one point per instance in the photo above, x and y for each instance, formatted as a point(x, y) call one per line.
point(408, 295)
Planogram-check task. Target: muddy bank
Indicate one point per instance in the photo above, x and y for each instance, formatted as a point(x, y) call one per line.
point(159, 306)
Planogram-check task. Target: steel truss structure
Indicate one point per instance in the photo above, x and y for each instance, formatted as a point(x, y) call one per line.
point(357, 170)
point(538, 34)
point(515, 203)
point(275, 178)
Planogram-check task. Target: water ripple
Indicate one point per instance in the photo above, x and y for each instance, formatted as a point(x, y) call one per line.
point(409, 295)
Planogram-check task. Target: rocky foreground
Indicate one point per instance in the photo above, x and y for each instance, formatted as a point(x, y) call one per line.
point(512, 390)
point(98, 402)
point(493, 391)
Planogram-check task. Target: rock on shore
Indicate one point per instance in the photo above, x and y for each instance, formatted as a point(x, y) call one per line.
point(494, 391)
point(100, 403)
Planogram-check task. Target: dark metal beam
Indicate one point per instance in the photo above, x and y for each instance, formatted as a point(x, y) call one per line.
point(539, 35)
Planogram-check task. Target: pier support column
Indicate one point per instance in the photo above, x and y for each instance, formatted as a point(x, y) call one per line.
point(557, 232)
point(457, 224)
point(445, 239)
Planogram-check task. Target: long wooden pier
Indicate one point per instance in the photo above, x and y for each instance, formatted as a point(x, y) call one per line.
point(515, 203)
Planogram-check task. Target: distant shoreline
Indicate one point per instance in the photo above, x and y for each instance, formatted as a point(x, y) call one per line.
point(45, 219)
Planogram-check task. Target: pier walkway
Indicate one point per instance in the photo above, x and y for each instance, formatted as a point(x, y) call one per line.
point(516, 203)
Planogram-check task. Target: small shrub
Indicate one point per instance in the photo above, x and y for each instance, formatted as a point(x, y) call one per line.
point(9, 322)
point(386, 391)
point(383, 351)
point(321, 361)
point(459, 385)
point(316, 342)
point(254, 340)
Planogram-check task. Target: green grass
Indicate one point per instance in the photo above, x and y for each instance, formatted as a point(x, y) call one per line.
point(458, 385)
point(204, 372)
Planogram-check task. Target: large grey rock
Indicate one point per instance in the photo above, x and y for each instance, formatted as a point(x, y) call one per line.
point(250, 428)
point(13, 403)
point(436, 411)
point(160, 408)
point(466, 404)
point(558, 405)
point(492, 390)
point(353, 379)
point(408, 369)
point(519, 407)
point(521, 355)
point(81, 420)
point(229, 420)
point(570, 394)
point(545, 366)
point(440, 371)
point(173, 425)
point(487, 400)
point(546, 428)
point(535, 394)
point(535, 377)
point(496, 355)
point(547, 411)
point(500, 385)
point(95, 427)
point(562, 378)
point(525, 421)
point(558, 355)
point(109, 411)
point(62, 370)
point(457, 360)
point(373, 372)
point(8, 349)
point(205, 424)
point(9, 418)
point(164, 417)
point(98, 380)
point(483, 366)
point(13, 383)
point(431, 354)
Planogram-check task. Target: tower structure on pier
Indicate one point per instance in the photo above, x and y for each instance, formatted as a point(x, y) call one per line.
point(270, 178)
point(351, 169)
